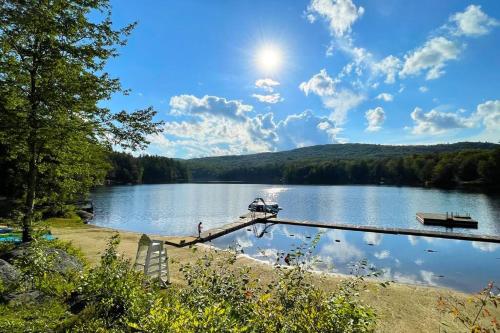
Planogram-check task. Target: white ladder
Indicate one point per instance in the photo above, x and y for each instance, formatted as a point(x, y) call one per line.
point(152, 259)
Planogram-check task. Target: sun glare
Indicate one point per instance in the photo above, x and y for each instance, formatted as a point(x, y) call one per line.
point(269, 58)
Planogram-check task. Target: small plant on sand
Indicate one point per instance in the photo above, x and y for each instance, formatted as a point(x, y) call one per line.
point(112, 293)
point(476, 313)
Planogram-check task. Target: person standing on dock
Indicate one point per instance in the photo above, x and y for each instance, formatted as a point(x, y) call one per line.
point(199, 229)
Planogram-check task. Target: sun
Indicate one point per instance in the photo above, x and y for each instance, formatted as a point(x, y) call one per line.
point(269, 58)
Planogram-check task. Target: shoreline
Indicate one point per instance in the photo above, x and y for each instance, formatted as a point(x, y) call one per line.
point(400, 307)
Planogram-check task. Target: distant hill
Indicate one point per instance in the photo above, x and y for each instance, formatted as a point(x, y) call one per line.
point(208, 168)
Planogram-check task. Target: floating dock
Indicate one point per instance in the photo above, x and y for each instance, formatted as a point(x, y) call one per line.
point(447, 220)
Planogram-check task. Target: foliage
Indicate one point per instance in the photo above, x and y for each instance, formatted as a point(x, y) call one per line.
point(478, 167)
point(114, 293)
point(223, 298)
point(219, 296)
point(54, 132)
point(37, 267)
point(40, 318)
point(235, 167)
point(145, 169)
point(475, 314)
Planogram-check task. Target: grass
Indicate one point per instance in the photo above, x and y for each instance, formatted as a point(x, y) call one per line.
point(72, 221)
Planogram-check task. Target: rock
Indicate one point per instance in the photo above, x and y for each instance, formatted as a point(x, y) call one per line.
point(16, 253)
point(31, 296)
point(84, 215)
point(62, 262)
point(10, 276)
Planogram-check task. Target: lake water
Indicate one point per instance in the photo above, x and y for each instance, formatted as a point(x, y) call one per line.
point(176, 209)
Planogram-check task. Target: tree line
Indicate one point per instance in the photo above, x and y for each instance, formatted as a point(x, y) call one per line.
point(474, 167)
point(145, 169)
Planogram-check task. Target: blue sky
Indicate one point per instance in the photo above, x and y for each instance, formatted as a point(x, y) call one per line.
point(237, 77)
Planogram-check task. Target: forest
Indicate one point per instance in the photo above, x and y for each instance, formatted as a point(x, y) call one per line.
point(446, 166)
point(145, 169)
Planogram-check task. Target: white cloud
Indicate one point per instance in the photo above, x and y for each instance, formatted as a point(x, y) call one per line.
point(473, 22)
point(340, 14)
point(320, 84)
point(436, 122)
point(267, 84)
point(423, 89)
point(389, 66)
point(385, 97)
point(216, 126)
point(271, 98)
point(375, 118)
point(419, 262)
point(431, 58)
point(208, 105)
point(428, 277)
point(489, 114)
point(338, 102)
point(341, 253)
point(342, 102)
point(382, 255)
point(485, 247)
point(372, 238)
point(305, 129)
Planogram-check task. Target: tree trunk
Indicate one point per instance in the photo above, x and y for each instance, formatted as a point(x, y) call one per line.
point(30, 193)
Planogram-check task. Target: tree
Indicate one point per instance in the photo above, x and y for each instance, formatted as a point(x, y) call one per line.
point(52, 78)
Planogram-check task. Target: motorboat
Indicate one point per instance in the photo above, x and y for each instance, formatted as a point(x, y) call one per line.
point(259, 205)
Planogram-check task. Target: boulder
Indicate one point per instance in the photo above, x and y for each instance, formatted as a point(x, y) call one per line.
point(62, 262)
point(84, 215)
point(31, 296)
point(10, 276)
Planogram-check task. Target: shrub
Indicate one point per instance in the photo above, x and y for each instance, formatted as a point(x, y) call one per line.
point(41, 317)
point(222, 298)
point(115, 293)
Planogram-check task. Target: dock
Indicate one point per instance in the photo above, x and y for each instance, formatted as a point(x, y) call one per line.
point(244, 221)
point(253, 218)
point(447, 220)
point(393, 231)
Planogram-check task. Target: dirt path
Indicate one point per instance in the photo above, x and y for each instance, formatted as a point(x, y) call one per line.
point(400, 307)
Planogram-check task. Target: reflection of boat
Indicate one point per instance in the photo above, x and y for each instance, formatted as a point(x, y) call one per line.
point(260, 233)
point(259, 205)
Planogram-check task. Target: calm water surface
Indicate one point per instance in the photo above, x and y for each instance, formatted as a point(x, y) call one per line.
point(175, 209)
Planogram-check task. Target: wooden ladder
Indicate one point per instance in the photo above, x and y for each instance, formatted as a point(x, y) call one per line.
point(152, 259)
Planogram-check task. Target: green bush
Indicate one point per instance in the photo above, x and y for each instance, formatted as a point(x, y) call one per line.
point(115, 293)
point(219, 297)
point(222, 298)
point(45, 317)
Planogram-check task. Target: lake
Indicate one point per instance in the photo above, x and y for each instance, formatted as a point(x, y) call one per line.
point(176, 209)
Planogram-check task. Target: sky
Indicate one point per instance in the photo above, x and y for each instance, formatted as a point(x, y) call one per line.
point(247, 76)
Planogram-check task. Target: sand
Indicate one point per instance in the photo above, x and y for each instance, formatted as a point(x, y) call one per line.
point(400, 307)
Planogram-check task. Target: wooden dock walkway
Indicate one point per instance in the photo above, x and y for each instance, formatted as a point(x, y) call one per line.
point(253, 218)
point(394, 231)
point(244, 221)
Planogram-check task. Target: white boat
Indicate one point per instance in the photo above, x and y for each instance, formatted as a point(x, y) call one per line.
point(259, 205)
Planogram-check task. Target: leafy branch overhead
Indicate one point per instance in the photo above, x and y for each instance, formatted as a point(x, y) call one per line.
point(53, 81)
